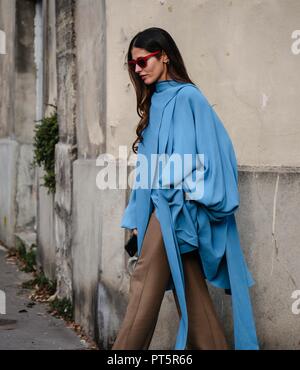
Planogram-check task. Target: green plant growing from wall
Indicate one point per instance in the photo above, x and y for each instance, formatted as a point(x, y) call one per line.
point(45, 137)
point(63, 308)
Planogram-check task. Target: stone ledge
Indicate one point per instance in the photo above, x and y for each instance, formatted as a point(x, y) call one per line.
point(265, 168)
point(27, 238)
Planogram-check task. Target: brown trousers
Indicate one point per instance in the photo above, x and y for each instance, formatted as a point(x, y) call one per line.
point(147, 287)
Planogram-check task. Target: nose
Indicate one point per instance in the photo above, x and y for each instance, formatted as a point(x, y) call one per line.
point(138, 68)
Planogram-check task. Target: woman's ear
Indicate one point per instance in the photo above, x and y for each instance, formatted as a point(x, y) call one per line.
point(165, 58)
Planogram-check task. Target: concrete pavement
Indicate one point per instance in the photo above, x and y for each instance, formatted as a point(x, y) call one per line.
point(27, 326)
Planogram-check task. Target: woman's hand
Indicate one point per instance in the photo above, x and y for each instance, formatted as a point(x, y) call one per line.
point(134, 231)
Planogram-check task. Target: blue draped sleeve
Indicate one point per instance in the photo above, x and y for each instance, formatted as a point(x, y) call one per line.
point(129, 216)
point(220, 194)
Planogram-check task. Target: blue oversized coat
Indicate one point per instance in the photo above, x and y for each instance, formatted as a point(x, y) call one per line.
point(182, 121)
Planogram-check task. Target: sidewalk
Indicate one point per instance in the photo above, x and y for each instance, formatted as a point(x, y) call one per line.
point(27, 325)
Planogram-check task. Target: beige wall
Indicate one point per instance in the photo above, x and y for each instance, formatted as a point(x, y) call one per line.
point(239, 55)
point(91, 83)
point(7, 24)
point(50, 74)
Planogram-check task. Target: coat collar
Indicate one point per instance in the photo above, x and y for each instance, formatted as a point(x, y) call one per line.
point(164, 85)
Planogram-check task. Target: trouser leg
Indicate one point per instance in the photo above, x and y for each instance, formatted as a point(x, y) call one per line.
point(147, 287)
point(204, 328)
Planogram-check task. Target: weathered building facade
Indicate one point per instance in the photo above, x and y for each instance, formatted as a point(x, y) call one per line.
point(71, 54)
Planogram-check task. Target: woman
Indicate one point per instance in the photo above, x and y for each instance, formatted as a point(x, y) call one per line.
point(185, 235)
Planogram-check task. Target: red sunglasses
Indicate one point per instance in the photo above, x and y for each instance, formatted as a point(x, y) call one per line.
point(141, 61)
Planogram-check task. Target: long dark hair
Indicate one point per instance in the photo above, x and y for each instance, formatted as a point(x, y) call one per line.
point(152, 39)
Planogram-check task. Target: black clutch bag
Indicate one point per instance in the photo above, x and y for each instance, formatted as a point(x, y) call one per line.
point(131, 245)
